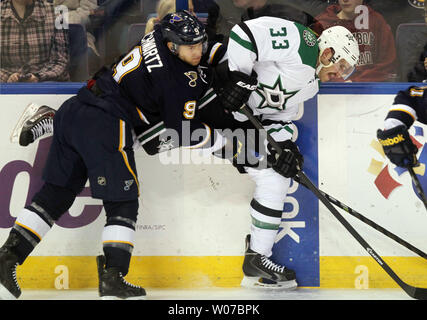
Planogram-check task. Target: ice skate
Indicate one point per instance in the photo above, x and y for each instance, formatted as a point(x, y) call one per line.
point(35, 122)
point(112, 285)
point(260, 272)
point(9, 287)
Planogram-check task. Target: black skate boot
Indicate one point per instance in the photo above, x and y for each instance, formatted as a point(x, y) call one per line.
point(113, 286)
point(260, 272)
point(9, 287)
point(35, 122)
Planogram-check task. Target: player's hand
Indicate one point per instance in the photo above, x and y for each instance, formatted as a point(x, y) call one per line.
point(29, 78)
point(14, 77)
point(237, 90)
point(290, 161)
point(398, 146)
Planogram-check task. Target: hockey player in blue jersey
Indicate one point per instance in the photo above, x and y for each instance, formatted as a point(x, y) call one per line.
point(151, 91)
point(409, 105)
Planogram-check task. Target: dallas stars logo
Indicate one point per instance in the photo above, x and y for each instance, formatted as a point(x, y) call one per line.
point(274, 97)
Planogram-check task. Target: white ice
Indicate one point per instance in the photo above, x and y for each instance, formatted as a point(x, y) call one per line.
point(230, 294)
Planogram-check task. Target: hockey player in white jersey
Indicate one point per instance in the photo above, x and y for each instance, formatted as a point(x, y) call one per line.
point(286, 61)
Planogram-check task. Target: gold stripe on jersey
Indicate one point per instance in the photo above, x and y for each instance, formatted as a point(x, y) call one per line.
point(404, 108)
point(213, 52)
point(405, 111)
point(141, 116)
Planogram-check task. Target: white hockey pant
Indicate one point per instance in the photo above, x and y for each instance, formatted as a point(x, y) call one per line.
point(269, 197)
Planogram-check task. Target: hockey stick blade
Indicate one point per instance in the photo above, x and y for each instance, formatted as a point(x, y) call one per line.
point(370, 223)
point(414, 292)
point(418, 187)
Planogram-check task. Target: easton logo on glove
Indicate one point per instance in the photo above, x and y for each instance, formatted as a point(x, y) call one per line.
point(246, 86)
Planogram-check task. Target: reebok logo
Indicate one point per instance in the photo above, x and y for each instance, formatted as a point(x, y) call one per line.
point(392, 141)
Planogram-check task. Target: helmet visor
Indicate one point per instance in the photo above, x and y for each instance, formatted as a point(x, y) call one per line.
point(344, 69)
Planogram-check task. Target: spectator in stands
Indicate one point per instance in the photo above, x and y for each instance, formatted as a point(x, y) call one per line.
point(111, 22)
point(200, 6)
point(167, 6)
point(396, 12)
point(419, 73)
point(163, 8)
point(34, 43)
point(79, 12)
point(377, 60)
point(84, 59)
point(224, 14)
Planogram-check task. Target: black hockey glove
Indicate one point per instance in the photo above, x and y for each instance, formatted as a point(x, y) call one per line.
point(398, 146)
point(290, 160)
point(237, 90)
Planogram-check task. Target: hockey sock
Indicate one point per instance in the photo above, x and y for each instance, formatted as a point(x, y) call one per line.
point(117, 243)
point(264, 227)
point(30, 227)
point(119, 232)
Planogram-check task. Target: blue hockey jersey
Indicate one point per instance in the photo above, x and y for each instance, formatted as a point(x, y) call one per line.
point(158, 94)
point(409, 105)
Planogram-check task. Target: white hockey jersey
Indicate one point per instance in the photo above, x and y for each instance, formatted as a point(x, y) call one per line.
point(284, 56)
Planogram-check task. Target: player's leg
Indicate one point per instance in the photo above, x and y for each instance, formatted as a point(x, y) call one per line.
point(65, 176)
point(113, 178)
point(30, 227)
point(35, 122)
point(266, 212)
point(118, 244)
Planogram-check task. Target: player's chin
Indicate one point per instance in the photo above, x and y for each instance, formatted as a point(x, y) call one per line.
point(195, 62)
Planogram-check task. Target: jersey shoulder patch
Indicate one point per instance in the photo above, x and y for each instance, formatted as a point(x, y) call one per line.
point(309, 48)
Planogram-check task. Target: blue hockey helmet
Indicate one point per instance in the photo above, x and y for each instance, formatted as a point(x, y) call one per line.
point(182, 28)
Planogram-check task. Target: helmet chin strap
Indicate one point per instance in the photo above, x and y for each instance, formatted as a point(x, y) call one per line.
point(174, 48)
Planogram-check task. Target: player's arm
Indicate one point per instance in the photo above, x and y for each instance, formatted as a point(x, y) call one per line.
point(215, 54)
point(236, 75)
point(405, 108)
point(395, 138)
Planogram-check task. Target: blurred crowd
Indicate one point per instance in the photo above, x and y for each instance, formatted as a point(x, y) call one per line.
point(69, 40)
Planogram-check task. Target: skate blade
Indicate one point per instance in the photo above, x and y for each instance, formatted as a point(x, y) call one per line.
point(5, 294)
point(29, 111)
point(256, 283)
point(117, 298)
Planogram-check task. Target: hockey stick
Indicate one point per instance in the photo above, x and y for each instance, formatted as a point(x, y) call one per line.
point(369, 222)
point(418, 186)
point(414, 292)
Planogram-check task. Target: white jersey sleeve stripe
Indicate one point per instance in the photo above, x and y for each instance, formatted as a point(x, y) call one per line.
point(240, 51)
point(247, 44)
point(404, 108)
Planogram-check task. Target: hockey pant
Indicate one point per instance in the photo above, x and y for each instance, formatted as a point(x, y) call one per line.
point(271, 188)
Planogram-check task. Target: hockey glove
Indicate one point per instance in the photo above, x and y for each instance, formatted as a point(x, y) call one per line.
point(398, 146)
point(237, 90)
point(290, 160)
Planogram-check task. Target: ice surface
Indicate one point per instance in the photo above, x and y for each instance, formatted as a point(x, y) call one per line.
point(229, 294)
